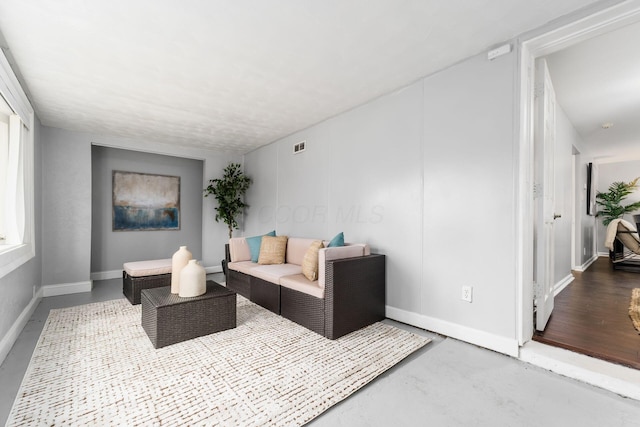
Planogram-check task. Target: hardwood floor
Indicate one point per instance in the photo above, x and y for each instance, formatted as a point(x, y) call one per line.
point(591, 316)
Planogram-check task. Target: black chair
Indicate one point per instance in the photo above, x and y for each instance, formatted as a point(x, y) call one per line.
point(625, 250)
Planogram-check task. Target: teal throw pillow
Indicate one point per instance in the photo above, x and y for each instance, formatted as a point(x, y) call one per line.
point(338, 240)
point(254, 245)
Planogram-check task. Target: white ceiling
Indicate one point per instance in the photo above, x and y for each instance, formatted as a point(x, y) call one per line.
point(598, 81)
point(237, 74)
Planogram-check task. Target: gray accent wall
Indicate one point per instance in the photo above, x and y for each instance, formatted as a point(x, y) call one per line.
point(609, 173)
point(67, 201)
point(110, 249)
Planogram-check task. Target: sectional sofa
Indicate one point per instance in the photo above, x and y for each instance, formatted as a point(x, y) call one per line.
point(348, 293)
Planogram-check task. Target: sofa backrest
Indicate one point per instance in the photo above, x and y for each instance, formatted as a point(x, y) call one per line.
point(239, 249)
point(296, 249)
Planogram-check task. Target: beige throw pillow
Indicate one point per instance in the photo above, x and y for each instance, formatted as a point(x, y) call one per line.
point(310, 261)
point(272, 250)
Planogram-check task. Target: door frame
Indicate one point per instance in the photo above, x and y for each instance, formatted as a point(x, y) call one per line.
point(600, 22)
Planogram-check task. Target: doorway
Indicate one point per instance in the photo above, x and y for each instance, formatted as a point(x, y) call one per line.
point(554, 41)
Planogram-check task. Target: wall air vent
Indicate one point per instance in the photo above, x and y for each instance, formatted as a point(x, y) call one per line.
point(299, 147)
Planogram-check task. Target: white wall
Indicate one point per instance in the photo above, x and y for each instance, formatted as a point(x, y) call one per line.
point(426, 176)
point(67, 201)
point(360, 174)
point(469, 203)
point(609, 173)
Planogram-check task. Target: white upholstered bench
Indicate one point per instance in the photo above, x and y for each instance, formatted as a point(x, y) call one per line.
point(140, 275)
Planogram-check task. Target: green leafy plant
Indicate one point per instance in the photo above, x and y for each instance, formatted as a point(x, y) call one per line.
point(611, 201)
point(228, 192)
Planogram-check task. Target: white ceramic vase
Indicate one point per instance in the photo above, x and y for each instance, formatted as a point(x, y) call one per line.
point(178, 262)
point(193, 280)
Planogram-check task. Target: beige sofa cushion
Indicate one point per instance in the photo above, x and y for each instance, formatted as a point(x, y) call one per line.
point(273, 273)
point(243, 266)
point(147, 268)
point(239, 249)
point(297, 248)
point(310, 261)
point(272, 250)
point(301, 284)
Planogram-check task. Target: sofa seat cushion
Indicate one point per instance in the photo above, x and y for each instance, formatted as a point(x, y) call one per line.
point(273, 273)
point(147, 268)
point(300, 283)
point(243, 266)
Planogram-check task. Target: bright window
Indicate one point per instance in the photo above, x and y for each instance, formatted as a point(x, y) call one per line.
point(17, 228)
point(4, 164)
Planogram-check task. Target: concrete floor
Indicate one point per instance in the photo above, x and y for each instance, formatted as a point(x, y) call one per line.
point(446, 383)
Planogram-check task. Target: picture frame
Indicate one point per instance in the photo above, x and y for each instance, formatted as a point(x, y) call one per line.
point(145, 202)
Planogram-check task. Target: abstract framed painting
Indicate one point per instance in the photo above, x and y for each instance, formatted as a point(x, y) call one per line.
point(145, 202)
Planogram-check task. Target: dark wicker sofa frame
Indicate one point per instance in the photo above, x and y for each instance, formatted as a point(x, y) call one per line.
point(355, 296)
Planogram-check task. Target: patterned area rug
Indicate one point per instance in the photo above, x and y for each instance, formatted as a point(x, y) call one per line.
point(94, 365)
point(634, 308)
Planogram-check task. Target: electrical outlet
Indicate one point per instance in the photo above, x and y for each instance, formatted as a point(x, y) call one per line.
point(467, 293)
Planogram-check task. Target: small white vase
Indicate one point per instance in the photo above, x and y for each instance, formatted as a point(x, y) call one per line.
point(178, 262)
point(193, 280)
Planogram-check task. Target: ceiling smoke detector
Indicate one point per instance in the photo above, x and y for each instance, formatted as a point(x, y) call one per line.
point(607, 125)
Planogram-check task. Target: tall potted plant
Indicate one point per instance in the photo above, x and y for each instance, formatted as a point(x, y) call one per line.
point(228, 192)
point(611, 201)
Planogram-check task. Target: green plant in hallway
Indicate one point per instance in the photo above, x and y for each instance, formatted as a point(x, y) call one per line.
point(611, 201)
point(228, 192)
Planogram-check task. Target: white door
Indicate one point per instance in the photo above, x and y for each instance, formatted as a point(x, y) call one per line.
point(544, 141)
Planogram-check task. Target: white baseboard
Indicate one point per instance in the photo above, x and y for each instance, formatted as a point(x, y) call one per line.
point(213, 269)
point(105, 275)
point(464, 333)
point(66, 288)
point(603, 254)
point(558, 287)
point(586, 265)
point(609, 376)
point(14, 332)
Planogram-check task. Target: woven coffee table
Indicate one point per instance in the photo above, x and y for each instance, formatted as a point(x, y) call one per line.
point(168, 319)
